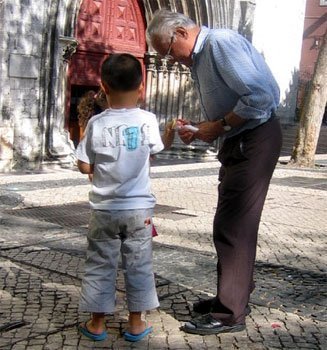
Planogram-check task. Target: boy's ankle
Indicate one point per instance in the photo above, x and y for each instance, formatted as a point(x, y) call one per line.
point(137, 327)
point(95, 326)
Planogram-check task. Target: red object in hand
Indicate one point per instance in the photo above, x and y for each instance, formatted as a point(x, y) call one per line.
point(154, 231)
point(181, 122)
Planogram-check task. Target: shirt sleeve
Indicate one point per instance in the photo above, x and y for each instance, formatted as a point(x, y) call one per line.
point(244, 71)
point(84, 149)
point(155, 143)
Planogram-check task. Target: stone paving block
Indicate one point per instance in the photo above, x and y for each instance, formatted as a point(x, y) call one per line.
point(212, 341)
point(304, 345)
point(176, 341)
point(196, 342)
point(35, 342)
point(53, 346)
point(22, 346)
point(85, 344)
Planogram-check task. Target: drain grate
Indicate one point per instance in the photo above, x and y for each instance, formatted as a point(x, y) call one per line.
point(77, 214)
point(69, 215)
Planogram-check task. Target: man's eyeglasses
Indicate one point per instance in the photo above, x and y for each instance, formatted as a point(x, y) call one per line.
point(168, 56)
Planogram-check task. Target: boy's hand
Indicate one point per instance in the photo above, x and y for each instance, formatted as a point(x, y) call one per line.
point(85, 168)
point(169, 134)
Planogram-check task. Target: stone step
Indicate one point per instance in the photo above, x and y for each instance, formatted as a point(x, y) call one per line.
point(289, 134)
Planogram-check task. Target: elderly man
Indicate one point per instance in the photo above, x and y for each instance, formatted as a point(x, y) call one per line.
point(238, 96)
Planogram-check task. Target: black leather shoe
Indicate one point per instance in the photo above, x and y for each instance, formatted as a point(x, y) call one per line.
point(203, 306)
point(206, 324)
point(247, 310)
point(206, 306)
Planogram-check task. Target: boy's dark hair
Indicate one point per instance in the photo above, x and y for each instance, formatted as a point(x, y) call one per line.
point(121, 72)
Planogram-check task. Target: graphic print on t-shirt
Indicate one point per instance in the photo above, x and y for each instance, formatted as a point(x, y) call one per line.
point(130, 137)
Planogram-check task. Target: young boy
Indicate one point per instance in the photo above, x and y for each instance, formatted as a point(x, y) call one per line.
point(116, 149)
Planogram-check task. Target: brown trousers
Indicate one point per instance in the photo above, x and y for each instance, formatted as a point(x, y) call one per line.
point(248, 161)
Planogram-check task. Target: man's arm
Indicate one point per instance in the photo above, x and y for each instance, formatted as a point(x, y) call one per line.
point(209, 131)
point(85, 168)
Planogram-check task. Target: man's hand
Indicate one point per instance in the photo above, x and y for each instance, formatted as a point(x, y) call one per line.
point(209, 131)
point(185, 135)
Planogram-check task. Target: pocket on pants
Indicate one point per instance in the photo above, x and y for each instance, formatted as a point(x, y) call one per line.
point(232, 151)
point(140, 223)
point(102, 225)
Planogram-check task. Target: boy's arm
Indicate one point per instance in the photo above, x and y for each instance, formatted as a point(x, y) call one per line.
point(85, 168)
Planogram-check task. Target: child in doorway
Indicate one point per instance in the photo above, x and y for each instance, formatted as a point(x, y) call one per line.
point(116, 149)
point(90, 104)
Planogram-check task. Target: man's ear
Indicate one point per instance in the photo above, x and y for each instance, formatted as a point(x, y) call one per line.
point(182, 32)
point(105, 87)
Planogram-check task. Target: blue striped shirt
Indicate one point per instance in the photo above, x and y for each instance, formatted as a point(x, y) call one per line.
point(231, 75)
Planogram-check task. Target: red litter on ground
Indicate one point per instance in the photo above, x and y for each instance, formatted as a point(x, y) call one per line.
point(275, 325)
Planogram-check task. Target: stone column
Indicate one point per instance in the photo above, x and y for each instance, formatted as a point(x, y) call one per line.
point(60, 144)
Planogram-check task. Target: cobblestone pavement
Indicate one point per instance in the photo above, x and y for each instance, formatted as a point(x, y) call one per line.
point(43, 220)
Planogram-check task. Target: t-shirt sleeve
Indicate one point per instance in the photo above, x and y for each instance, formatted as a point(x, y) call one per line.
point(156, 144)
point(84, 149)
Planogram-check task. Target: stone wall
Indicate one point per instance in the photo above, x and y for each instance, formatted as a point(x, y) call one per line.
point(33, 73)
point(6, 130)
point(21, 55)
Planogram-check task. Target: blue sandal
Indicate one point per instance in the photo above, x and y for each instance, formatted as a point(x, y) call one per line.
point(136, 337)
point(96, 337)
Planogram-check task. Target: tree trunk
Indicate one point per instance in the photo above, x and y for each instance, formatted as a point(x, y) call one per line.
point(312, 113)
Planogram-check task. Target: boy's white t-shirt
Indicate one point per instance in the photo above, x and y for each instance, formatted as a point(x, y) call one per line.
point(119, 143)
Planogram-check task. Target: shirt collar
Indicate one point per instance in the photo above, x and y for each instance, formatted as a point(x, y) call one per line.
point(200, 40)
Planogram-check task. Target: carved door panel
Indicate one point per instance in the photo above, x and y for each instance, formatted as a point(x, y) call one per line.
point(103, 27)
point(127, 32)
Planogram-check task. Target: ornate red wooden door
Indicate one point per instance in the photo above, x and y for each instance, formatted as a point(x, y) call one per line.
point(103, 27)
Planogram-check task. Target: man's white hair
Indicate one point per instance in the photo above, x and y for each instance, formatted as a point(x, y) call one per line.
point(164, 24)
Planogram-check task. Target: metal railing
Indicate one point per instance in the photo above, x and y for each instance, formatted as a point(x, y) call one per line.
point(170, 94)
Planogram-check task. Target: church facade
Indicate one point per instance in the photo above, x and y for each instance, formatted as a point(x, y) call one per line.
point(51, 51)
